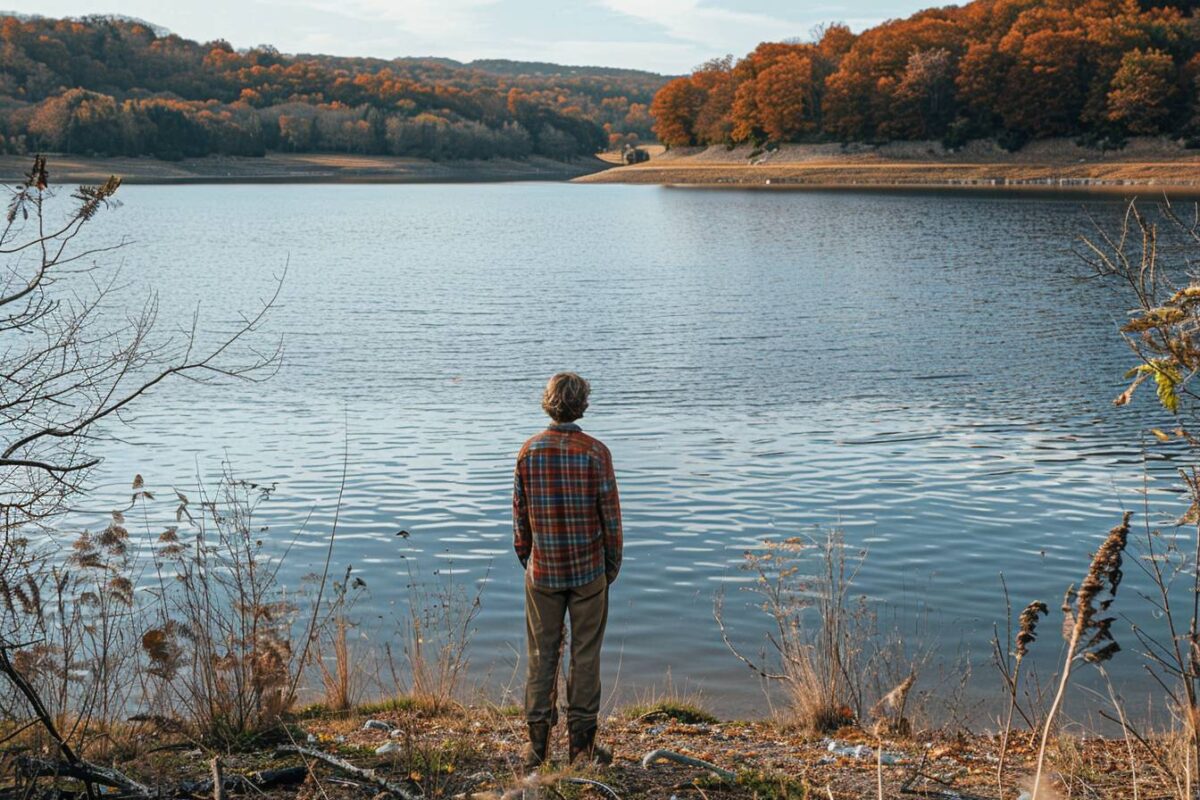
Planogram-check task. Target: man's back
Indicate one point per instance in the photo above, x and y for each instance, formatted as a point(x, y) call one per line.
point(566, 511)
point(567, 534)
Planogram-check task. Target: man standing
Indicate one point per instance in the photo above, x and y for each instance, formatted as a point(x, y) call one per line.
point(567, 534)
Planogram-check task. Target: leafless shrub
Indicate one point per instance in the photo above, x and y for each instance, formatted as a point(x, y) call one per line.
point(73, 618)
point(435, 630)
point(822, 641)
point(224, 651)
point(1163, 333)
point(77, 351)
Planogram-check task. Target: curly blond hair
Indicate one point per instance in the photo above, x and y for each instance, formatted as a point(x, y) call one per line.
point(566, 397)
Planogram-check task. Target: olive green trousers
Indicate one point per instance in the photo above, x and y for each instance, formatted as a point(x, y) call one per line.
point(545, 610)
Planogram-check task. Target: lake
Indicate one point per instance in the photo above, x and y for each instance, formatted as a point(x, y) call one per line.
point(923, 370)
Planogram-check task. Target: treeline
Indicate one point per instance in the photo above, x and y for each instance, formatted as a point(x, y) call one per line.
point(114, 86)
point(1010, 69)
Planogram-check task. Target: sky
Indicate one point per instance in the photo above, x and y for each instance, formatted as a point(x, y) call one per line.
point(669, 36)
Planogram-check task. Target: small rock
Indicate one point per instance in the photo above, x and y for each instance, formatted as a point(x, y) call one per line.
point(387, 747)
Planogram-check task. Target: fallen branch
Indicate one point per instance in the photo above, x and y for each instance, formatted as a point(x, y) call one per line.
point(84, 771)
point(251, 782)
point(650, 758)
point(345, 766)
point(218, 779)
point(39, 709)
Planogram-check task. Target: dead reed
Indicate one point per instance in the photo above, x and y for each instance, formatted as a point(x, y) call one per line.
point(1088, 634)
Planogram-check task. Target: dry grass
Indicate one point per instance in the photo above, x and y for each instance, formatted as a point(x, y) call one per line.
point(823, 641)
point(669, 702)
point(435, 633)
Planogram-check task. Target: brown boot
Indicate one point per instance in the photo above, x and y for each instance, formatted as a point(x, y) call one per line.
point(534, 754)
point(583, 745)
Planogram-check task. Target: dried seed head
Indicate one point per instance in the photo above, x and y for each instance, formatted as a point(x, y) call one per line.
point(894, 700)
point(1027, 632)
point(1096, 594)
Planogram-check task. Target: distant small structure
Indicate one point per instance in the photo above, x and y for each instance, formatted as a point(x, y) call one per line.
point(633, 155)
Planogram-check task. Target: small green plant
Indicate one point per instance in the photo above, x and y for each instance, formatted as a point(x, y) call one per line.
point(403, 704)
point(687, 713)
point(670, 702)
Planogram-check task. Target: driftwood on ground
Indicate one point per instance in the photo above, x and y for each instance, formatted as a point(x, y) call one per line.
point(653, 756)
point(248, 783)
point(367, 775)
point(84, 771)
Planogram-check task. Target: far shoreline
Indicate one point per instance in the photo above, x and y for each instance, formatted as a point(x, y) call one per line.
point(295, 168)
point(1044, 167)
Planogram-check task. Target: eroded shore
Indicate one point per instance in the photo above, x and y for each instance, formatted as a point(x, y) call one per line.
point(1156, 164)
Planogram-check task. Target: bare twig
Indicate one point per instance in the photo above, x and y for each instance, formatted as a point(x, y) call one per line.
point(367, 775)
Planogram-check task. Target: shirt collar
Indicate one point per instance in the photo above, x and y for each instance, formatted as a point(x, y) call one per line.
point(565, 427)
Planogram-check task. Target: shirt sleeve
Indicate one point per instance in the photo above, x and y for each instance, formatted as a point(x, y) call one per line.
point(522, 530)
point(609, 508)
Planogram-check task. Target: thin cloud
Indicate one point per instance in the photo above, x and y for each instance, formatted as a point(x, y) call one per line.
point(427, 19)
point(664, 57)
point(711, 26)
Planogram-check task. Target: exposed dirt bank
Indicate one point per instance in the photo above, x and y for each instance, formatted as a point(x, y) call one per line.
point(1051, 164)
point(475, 753)
point(299, 168)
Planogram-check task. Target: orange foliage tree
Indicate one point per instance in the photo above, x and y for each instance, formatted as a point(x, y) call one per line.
point(1143, 91)
point(675, 108)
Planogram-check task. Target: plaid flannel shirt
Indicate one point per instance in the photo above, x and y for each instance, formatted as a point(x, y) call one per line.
point(566, 513)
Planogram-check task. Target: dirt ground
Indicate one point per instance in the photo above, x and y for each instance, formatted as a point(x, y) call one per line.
point(474, 752)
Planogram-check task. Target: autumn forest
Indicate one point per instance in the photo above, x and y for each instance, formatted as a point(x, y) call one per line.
point(1014, 70)
point(1010, 70)
point(114, 86)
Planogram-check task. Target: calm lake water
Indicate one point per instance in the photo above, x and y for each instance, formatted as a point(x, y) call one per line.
point(923, 370)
